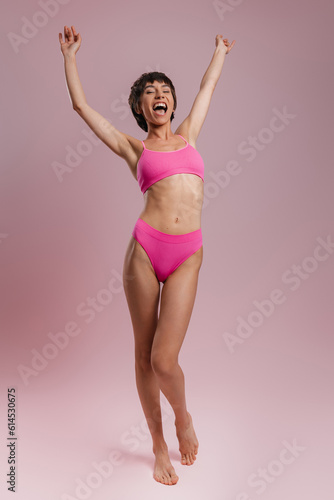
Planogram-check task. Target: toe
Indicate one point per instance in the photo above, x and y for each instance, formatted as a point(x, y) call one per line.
point(172, 476)
point(157, 478)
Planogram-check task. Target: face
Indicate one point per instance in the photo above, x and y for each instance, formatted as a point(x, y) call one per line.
point(154, 93)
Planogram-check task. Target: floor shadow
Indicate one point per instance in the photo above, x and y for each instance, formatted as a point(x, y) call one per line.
point(146, 458)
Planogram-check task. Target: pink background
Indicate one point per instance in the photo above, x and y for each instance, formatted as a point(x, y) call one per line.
point(62, 241)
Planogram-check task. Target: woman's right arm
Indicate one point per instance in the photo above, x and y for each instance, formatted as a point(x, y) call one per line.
point(120, 143)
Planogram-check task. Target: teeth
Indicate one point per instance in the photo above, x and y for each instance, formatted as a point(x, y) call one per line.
point(160, 104)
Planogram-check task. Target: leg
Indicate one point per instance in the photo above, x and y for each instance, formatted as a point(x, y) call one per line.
point(142, 291)
point(177, 301)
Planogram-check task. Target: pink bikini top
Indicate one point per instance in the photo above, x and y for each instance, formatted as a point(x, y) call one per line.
point(156, 165)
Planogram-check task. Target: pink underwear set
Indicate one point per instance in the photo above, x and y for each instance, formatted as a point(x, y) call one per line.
point(167, 251)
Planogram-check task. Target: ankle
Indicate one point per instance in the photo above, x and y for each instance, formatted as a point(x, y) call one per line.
point(159, 445)
point(183, 422)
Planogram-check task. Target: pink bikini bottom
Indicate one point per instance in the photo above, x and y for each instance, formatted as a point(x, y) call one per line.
point(166, 251)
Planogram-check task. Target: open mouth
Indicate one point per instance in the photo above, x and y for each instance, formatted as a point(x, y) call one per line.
point(160, 108)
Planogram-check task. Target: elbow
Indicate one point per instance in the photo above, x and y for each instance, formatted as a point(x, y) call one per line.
point(76, 108)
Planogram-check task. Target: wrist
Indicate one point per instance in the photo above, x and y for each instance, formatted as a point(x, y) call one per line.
point(220, 49)
point(69, 56)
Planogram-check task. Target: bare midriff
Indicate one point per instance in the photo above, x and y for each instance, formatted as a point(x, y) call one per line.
point(173, 205)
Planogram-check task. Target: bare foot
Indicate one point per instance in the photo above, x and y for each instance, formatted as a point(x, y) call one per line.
point(188, 442)
point(164, 472)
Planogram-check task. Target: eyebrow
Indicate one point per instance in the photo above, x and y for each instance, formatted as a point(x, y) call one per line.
point(147, 86)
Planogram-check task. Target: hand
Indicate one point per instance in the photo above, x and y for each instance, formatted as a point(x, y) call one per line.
point(72, 41)
point(223, 43)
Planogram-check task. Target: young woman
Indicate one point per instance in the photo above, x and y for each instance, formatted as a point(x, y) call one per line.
point(166, 242)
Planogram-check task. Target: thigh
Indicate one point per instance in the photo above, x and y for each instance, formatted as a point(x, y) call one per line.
point(177, 301)
point(142, 291)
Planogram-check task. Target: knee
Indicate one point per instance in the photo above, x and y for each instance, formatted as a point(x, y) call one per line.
point(143, 362)
point(163, 364)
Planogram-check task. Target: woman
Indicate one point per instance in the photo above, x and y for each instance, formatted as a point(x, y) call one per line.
point(166, 242)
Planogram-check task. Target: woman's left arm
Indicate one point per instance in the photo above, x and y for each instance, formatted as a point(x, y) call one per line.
point(214, 70)
point(192, 125)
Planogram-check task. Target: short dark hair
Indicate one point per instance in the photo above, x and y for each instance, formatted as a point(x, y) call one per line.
point(137, 90)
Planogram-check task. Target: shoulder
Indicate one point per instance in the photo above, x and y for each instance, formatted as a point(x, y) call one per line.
point(184, 131)
point(135, 145)
point(133, 151)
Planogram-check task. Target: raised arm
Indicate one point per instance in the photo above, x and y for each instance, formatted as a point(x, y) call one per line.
point(193, 123)
point(117, 141)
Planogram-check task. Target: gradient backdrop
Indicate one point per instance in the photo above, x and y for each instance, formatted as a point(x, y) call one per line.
point(258, 355)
